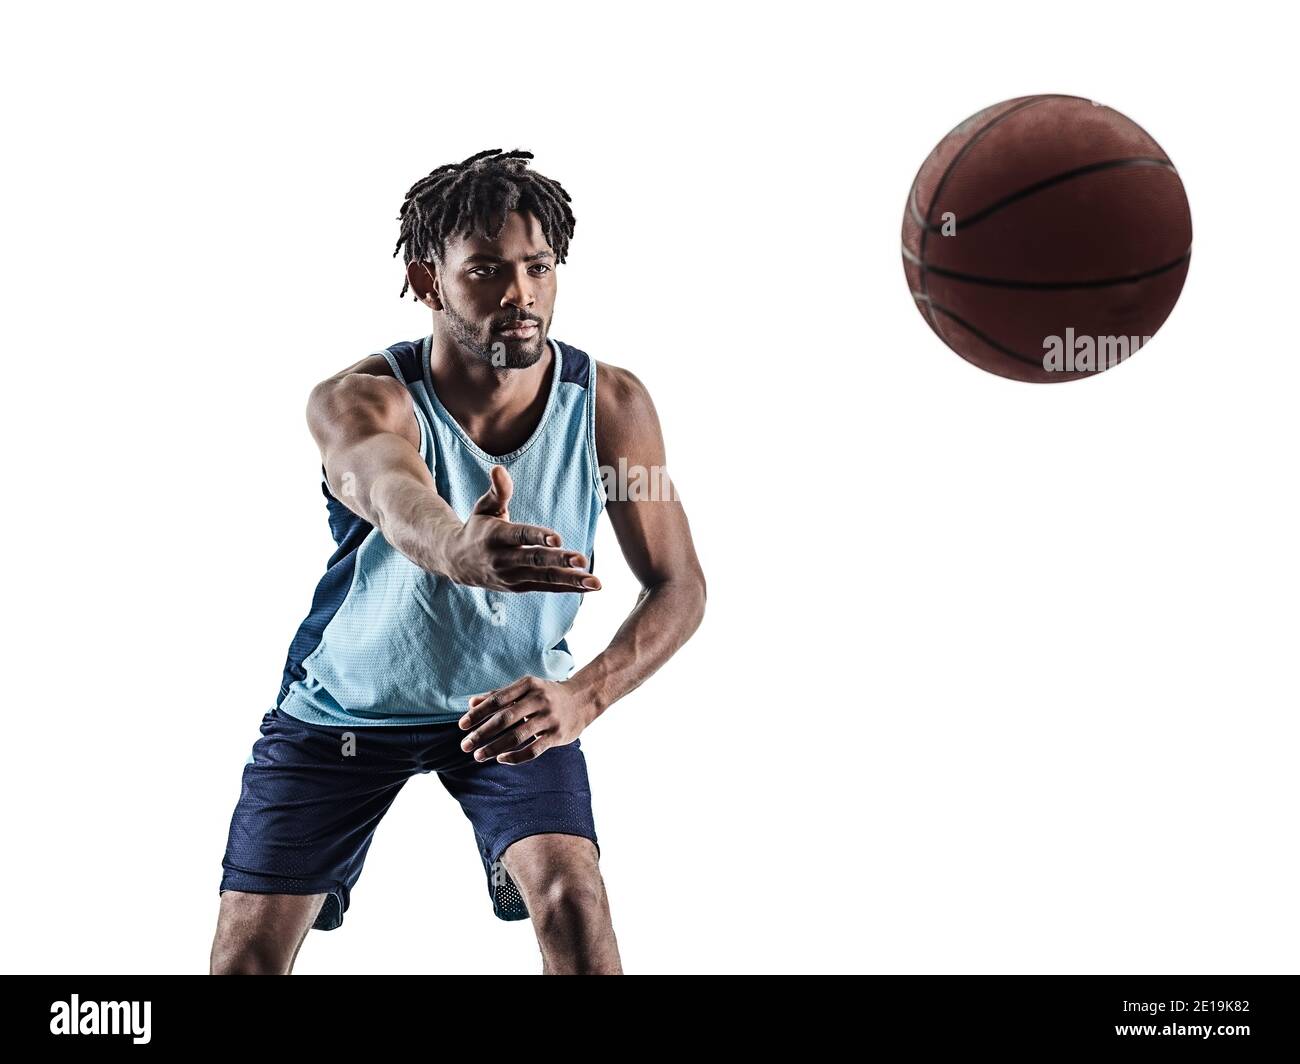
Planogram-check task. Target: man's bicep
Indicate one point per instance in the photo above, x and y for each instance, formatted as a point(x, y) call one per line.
point(644, 509)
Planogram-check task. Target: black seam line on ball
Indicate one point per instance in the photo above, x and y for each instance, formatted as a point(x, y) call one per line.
point(974, 139)
point(1054, 286)
point(1039, 186)
point(976, 332)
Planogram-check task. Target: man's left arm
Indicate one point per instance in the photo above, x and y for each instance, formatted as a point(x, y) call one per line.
point(652, 531)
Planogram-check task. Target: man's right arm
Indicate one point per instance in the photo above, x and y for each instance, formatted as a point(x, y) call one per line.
point(364, 423)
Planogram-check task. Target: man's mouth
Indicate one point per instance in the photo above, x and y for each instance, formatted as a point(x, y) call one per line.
point(517, 330)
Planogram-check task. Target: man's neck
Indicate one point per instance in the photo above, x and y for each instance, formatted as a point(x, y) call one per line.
point(491, 403)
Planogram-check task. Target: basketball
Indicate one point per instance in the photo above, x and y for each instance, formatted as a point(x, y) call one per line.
point(1046, 238)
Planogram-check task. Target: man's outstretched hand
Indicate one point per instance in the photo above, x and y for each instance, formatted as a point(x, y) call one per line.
point(500, 721)
point(490, 551)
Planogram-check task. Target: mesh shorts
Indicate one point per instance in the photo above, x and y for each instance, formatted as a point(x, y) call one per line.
point(311, 799)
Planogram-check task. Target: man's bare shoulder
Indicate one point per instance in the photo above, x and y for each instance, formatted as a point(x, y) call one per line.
point(370, 366)
point(626, 421)
point(364, 397)
point(619, 389)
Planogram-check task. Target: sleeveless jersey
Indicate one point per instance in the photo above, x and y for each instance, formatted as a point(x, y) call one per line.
point(387, 643)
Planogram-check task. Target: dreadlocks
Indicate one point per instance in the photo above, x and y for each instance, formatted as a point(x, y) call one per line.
point(476, 196)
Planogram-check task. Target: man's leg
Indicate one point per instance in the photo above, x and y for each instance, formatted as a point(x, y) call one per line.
point(260, 934)
point(310, 800)
point(559, 878)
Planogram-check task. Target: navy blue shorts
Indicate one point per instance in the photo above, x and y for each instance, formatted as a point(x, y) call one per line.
point(310, 803)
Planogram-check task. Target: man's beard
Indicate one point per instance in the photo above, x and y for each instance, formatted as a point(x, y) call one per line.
point(495, 350)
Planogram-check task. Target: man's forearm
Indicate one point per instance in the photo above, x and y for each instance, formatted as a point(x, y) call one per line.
point(414, 518)
point(388, 484)
point(665, 616)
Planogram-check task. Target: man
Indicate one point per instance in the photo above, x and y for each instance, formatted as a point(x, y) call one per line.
point(464, 474)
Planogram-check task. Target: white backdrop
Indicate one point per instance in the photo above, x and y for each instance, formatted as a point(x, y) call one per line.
point(994, 677)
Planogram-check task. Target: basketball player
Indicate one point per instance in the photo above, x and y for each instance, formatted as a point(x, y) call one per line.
point(463, 479)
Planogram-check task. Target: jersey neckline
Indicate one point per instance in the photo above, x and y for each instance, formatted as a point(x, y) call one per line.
point(445, 415)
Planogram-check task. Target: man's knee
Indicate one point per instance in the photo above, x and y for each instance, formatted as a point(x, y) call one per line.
point(569, 898)
point(250, 958)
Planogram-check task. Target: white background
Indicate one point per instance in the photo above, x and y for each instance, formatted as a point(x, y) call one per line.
point(994, 677)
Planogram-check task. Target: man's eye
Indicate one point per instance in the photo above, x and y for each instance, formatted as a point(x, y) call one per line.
point(541, 266)
point(485, 271)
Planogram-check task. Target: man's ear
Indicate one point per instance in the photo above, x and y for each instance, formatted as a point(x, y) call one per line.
point(424, 282)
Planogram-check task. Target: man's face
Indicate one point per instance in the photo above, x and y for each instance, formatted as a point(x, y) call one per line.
point(498, 295)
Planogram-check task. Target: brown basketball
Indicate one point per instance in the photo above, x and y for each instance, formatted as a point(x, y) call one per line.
point(1044, 228)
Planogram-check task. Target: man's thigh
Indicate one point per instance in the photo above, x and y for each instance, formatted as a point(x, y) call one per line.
point(508, 804)
point(310, 802)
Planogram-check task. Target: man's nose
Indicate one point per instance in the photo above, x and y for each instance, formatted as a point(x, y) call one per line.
point(519, 293)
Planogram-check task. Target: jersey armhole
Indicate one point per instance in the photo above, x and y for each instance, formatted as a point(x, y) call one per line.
point(396, 367)
point(591, 432)
point(391, 359)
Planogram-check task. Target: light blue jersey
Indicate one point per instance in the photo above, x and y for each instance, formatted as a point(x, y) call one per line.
point(387, 643)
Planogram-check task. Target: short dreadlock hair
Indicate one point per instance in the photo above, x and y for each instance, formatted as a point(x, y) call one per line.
point(476, 196)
